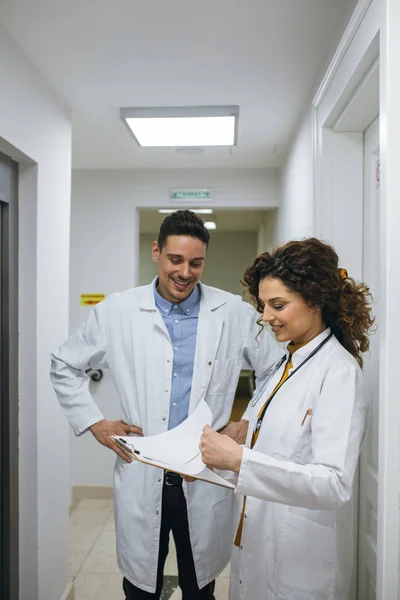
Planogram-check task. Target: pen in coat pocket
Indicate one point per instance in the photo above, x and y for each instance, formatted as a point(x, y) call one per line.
point(308, 414)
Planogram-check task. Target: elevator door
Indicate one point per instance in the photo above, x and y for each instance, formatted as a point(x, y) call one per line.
point(8, 379)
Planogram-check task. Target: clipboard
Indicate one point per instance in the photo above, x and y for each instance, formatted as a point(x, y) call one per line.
point(191, 430)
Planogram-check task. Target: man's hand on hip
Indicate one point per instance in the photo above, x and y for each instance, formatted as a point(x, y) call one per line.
point(103, 429)
point(237, 430)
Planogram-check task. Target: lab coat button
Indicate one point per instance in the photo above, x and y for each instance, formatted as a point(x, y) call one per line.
point(159, 480)
point(209, 363)
point(166, 391)
point(240, 581)
point(157, 512)
point(164, 418)
point(241, 547)
point(168, 361)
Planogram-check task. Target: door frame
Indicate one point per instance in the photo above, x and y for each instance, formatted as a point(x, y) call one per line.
point(9, 374)
point(369, 42)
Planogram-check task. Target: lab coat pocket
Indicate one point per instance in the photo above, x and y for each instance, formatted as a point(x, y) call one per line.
point(294, 438)
point(224, 376)
point(307, 558)
point(323, 517)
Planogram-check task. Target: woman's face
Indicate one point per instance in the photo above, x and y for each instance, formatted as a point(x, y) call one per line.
point(288, 315)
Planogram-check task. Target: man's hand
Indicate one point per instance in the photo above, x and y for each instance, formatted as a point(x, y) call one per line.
point(220, 451)
point(237, 430)
point(104, 429)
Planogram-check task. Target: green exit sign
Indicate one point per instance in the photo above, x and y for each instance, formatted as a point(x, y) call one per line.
point(188, 195)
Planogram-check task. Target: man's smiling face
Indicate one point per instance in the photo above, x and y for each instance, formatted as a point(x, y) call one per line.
point(180, 265)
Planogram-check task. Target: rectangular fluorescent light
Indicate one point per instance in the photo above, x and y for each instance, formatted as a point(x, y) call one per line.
point(199, 211)
point(210, 225)
point(183, 127)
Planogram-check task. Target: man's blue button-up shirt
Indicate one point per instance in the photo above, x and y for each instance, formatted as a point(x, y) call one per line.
point(181, 321)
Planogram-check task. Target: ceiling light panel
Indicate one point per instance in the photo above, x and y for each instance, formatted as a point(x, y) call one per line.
point(199, 211)
point(185, 127)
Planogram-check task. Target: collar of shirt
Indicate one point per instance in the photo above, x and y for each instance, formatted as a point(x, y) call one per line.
point(186, 306)
point(301, 353)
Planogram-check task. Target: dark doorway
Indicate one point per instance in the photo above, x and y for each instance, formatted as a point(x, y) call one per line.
point(8, 379)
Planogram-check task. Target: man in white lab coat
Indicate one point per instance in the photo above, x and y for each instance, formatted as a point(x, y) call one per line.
point(167, 345)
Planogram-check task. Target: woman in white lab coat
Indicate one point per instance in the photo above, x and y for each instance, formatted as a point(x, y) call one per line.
point(294, 540)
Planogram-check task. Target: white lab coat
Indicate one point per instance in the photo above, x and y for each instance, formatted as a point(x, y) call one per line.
point(127, 334)
point(297, 539)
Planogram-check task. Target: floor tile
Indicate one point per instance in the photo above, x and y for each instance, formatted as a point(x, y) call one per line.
point(102, 558)
point(110, 523)
point(93, 504)
point(169, 587)
point(75, 562)
point(171, 566)
point(91, 512)
point(86, 523)
point(99, 586)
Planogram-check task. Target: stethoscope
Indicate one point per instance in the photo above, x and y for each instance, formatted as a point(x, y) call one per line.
point(254, 400)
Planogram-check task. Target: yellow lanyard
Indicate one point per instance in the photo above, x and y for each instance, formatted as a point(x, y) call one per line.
point(285, 375)
point(254, 438)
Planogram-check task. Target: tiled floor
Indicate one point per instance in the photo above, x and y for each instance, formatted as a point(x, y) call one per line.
point(92, 560)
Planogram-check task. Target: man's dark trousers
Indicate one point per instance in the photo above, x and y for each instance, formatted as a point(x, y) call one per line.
point(175, 519)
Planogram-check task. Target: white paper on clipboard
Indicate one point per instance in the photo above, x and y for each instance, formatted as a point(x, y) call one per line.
point(177, 449)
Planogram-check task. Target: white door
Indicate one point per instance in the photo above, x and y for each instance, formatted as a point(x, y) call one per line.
point(368, 492)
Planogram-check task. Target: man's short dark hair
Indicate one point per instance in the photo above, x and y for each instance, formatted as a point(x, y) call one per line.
point(182, 222)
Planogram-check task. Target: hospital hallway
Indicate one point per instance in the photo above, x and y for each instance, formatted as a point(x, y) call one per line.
point(153, 157)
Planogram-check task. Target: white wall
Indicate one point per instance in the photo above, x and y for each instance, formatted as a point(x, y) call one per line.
point(267, 232)
point(296, 213)
point(105, 256)
point(35, 130)
point(228, 255)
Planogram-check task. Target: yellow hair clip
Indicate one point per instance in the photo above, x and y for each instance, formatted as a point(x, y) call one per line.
point(343, 273)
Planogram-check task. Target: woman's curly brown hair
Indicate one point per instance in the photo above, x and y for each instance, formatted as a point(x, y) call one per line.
point(310, 268)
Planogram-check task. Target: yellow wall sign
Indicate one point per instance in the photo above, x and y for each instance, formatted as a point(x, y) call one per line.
point(91, 299)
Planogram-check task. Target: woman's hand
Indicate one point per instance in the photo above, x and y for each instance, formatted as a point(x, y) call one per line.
point(220, 451)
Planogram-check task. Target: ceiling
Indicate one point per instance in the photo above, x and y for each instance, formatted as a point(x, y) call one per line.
point(226, 220)
point(263, 55)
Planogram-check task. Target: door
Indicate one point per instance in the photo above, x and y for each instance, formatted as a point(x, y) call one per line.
point(368, 492)
point(8, 380)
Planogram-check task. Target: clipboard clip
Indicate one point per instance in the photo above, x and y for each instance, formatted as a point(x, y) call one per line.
point(121, 443)
point(131, 450)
